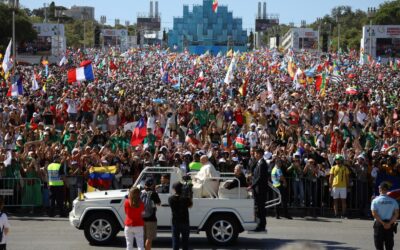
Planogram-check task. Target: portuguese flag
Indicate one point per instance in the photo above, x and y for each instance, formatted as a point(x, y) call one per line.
point(215, 6)
point(324, 82)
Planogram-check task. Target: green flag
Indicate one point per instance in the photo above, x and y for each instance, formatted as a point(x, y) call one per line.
point(101, 64)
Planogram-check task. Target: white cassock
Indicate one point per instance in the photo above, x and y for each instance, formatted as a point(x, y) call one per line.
point(204, 185)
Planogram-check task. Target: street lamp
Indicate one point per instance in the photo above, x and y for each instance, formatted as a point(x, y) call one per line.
point(338, 24)
point(319, 20)
point(371, 13)
point(15, 5)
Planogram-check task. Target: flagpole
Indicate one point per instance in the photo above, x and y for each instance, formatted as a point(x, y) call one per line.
point(15, 3)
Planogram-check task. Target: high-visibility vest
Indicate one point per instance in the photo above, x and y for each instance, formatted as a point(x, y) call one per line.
point(276, 182)
point(54, 176)
point(195, 166)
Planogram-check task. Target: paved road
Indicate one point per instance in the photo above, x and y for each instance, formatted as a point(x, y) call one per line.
point(56, 234)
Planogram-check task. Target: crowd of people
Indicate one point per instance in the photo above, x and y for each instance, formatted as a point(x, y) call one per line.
point(304, 110)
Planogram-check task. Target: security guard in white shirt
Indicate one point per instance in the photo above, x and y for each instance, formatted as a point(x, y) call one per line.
point(385, 211)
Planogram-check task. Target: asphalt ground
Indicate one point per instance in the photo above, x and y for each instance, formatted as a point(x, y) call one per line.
point(43, 233)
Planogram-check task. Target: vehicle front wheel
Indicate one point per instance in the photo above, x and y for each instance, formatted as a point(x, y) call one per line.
point(100, 229)
point(222, 230)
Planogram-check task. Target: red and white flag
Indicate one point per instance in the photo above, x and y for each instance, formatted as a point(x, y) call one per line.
point(215, 6)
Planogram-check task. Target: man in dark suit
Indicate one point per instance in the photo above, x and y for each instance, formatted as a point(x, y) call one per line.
point(251, 165)
point(259, 187)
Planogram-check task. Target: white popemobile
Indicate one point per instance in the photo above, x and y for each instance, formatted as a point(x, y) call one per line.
point(222, 215)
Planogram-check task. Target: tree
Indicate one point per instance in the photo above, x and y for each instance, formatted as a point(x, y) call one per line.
point(51, 10)
point(132, 30)
point(388, 13)
point(351, 23)
point(75, 35)
point(22, 24)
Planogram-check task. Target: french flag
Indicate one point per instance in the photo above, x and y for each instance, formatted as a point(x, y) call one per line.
point(84, 73)
point(16, 89)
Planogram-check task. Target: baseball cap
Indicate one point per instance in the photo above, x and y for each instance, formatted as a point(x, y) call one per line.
point(339, 157)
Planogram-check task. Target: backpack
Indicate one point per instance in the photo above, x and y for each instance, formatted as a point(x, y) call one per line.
point(148, 204)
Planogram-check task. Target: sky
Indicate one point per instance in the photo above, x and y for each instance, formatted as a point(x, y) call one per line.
point(288, 10)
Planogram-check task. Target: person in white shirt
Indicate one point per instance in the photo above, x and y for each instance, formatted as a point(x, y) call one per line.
point(252, 136)
point(204, 185)
point(73, 102)
point(4, 226)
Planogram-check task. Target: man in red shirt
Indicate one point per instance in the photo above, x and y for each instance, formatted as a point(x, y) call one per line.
point(86, 108)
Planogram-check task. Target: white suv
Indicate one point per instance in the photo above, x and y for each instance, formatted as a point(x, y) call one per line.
point(222, 216)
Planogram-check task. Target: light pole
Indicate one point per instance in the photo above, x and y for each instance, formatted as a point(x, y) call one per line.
point(15, 5)
point(45, 12)
point(371, 13)
point(338, 24)
point(255, 40)
point(84, 35)
point(103, 20)
point(319, 20)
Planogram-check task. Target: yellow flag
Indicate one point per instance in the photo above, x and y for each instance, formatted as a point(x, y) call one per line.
point(291, 69)
point(103, 169)
point(230, 53)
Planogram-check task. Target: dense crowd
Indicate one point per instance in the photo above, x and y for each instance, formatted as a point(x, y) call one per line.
point(301, 108)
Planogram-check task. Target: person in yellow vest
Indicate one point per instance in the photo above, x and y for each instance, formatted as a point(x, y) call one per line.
point(56, 184)
point(339, 182)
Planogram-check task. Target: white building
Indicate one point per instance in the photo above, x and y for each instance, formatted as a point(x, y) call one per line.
point(115, 38)
point(51, 38)
point(301, 38)
point(80, 12)
point(381, 41)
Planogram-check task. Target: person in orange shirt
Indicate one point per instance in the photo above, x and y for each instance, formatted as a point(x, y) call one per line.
point(134, 223)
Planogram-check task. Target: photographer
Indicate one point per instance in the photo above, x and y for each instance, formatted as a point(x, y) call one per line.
point(180, 217)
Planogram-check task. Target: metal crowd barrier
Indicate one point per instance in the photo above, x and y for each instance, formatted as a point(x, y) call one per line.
point(30, 192)
point(21, 192)
point(317, 196)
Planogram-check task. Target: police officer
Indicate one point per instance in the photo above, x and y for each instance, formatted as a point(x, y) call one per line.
point(56, 184)
point(385, 211)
